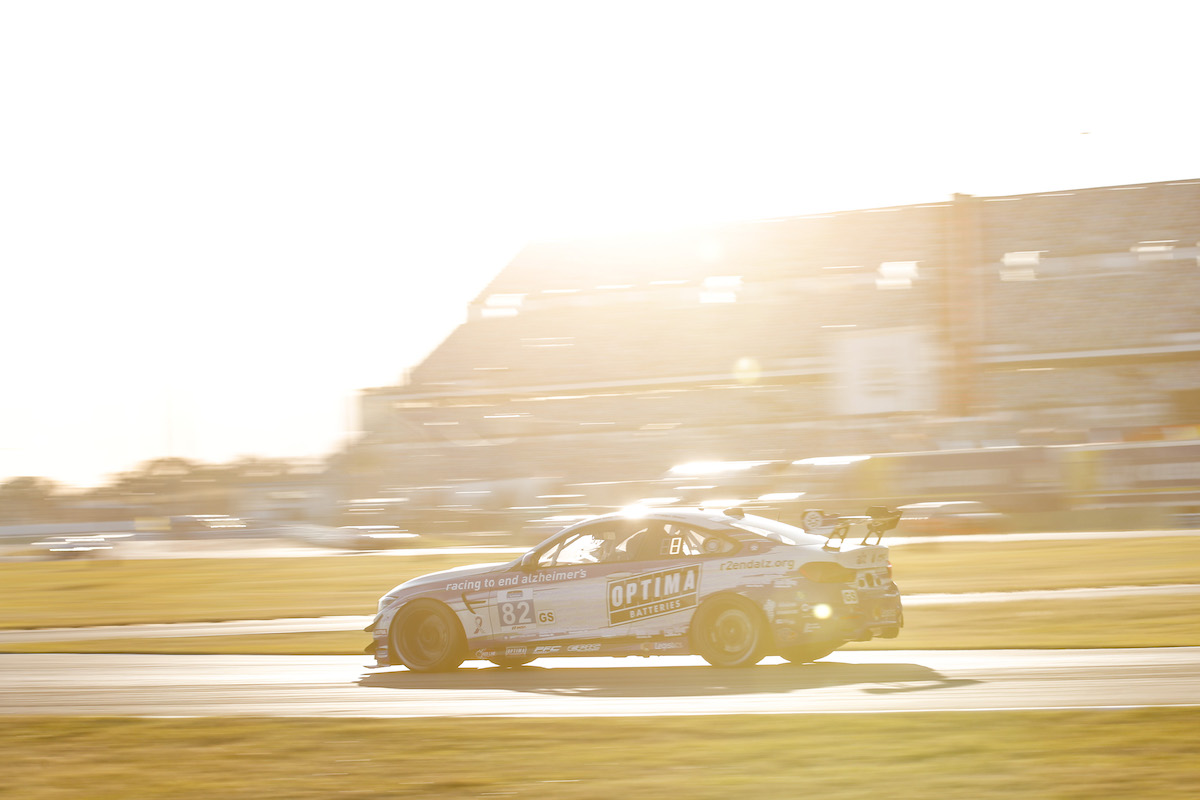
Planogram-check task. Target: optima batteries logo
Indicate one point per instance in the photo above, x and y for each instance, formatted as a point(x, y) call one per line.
point(652, 594)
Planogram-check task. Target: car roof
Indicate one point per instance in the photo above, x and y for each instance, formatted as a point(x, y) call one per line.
point(705, 517)
point(732, 519)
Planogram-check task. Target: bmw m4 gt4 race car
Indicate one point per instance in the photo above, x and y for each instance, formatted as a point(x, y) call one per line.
point(729, 586)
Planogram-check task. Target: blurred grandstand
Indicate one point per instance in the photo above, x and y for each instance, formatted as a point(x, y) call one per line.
point(1036, 351)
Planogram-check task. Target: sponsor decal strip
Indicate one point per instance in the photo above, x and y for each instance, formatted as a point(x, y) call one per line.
point(760, 563)
point(652, 594)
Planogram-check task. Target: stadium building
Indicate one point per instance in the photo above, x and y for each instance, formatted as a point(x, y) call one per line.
point(1065, 319)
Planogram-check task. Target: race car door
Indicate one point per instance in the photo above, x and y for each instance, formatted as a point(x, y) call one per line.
point(565, 590)
point(657, 601)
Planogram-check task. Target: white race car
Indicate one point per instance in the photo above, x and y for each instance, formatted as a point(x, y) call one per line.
point(729, 586)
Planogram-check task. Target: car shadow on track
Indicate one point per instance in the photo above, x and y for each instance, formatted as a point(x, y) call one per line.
point(675, 681)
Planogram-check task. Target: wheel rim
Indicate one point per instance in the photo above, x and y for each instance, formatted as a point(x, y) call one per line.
point(732, 632)
point(426, 640)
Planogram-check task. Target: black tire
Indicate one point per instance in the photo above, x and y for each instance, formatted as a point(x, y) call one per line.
point(802, 654)
point(426, 636)
point(729, 632)
point(511, 661)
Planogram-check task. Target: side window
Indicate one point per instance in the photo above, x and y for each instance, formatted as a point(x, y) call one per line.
point(647, 542)
point(687, 541)
point(669, 540)
point(592, 545)
point(651, 540)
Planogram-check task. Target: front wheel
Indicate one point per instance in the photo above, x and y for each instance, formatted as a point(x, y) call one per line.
point(729, 632)
point(427, 637)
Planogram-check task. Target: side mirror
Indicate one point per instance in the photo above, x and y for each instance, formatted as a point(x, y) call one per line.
point(528, 561)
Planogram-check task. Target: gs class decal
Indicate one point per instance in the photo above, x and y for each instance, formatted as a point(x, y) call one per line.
point(652, 594)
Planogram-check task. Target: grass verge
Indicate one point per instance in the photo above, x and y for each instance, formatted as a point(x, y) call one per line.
point(1056, 564)
point(114, 592)
point(1164, 621)
point(1066, 755)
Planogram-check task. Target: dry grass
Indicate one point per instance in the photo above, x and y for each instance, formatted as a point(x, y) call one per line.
point(994, 756)
point(114, 592)
point(1007, 566)
point(51, 594)
point(1165, 621)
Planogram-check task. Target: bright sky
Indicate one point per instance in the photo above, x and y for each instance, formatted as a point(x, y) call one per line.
point(220, 220)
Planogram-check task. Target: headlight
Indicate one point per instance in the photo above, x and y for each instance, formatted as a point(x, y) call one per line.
point(384, 602)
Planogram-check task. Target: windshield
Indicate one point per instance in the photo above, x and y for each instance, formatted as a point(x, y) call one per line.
point(779, 531)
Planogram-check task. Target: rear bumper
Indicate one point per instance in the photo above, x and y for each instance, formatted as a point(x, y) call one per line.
point(840, 615)
point(875, 614)
point(864, 624)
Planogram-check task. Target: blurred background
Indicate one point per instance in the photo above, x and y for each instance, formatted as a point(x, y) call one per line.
point(486, 269)
point(1026, 362)
point(306, 278)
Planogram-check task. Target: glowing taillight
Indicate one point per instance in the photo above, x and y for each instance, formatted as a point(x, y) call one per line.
point(827, 572)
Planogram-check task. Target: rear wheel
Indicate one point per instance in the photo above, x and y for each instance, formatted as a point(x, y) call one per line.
point(427, 637)
point(729, 632)
point(802, 654)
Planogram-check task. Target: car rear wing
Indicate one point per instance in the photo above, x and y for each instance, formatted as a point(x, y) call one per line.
point(836, 527)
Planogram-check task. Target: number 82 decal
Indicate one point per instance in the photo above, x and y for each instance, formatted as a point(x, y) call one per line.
point(516, 613)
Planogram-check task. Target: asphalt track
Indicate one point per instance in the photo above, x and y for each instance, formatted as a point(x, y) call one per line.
point(845, 682)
